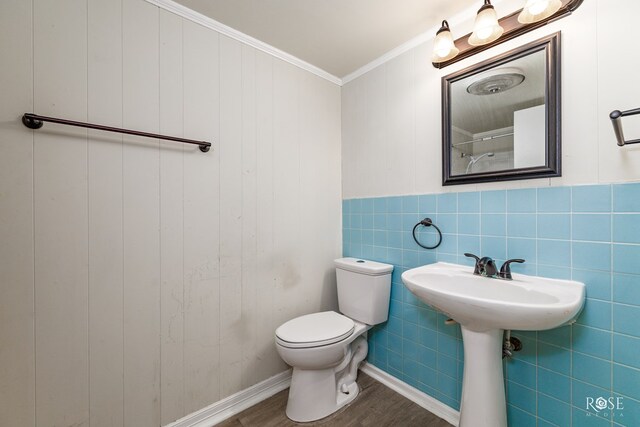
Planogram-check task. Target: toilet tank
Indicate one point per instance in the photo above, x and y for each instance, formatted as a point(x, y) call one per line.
point(364, 288)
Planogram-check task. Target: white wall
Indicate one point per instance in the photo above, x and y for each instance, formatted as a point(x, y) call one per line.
point(140, 281)
point(529, 136)
point(391, 132)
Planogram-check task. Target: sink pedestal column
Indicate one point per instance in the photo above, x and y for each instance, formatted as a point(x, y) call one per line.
point(483, 400)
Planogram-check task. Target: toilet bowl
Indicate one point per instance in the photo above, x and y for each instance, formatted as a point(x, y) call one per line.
point(326, 348)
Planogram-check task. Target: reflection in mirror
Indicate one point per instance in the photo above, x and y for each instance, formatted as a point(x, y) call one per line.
point(488, 106)
point(500, 117)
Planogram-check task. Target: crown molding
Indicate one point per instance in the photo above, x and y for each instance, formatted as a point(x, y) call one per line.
point(459, 19)
point(205, 21)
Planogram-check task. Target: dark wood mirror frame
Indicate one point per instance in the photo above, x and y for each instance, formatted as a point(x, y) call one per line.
point(551, 46)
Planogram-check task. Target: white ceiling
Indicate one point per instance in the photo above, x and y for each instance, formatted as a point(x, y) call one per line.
point(338, 36)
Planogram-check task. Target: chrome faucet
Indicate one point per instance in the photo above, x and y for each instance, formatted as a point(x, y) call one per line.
point(486, 267)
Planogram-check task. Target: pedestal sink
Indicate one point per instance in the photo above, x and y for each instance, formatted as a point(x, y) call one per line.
point(484, 308)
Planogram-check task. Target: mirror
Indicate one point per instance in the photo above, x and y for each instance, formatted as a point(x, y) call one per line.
point(501, 118)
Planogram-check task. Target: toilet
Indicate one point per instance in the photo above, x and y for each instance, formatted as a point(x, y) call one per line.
point(326, 348)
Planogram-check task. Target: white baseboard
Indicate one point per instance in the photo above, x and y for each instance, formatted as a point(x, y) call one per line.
point(427, 402)
point(236, 403)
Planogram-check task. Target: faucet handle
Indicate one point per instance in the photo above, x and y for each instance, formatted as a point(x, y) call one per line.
point(505, 270)
point(476, 269)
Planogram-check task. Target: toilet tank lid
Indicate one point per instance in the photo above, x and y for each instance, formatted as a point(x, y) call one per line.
point(363, 266)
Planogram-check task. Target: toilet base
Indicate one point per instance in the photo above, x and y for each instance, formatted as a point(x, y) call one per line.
point(317, 393)
point(313, 394)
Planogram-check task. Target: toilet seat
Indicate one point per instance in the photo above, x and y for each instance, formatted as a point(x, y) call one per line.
point(315, 330)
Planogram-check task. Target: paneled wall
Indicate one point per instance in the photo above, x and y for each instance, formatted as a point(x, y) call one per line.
point(143, 280)
point(391, 115)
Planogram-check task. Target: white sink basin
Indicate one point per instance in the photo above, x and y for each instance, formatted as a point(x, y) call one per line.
point(484, 308)
point(480, 303)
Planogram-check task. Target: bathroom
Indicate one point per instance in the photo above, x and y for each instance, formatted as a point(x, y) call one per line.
point(142, 280)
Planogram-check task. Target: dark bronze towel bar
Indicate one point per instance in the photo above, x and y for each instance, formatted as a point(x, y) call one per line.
point(34, 121)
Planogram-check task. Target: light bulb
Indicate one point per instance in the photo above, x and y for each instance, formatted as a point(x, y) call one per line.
point(486, 27)
point(538, 7)
point(444, 48)
point(441, 50)
point(484, 33)
point(537, 10)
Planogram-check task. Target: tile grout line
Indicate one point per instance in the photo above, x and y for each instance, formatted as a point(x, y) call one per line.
point(571, 352)
point(611, 284)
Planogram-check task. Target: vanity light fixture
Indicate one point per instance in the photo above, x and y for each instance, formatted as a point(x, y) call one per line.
point(537, 10)
point(488, 31)
point(444, 48)
point(486, 28)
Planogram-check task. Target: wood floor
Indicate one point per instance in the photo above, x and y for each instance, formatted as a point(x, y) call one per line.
point(376, 406)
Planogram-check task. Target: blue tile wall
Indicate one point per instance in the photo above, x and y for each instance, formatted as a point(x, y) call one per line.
point(586, 233)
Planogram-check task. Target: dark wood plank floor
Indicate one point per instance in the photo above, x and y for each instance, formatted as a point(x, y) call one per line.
point(376, 406)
